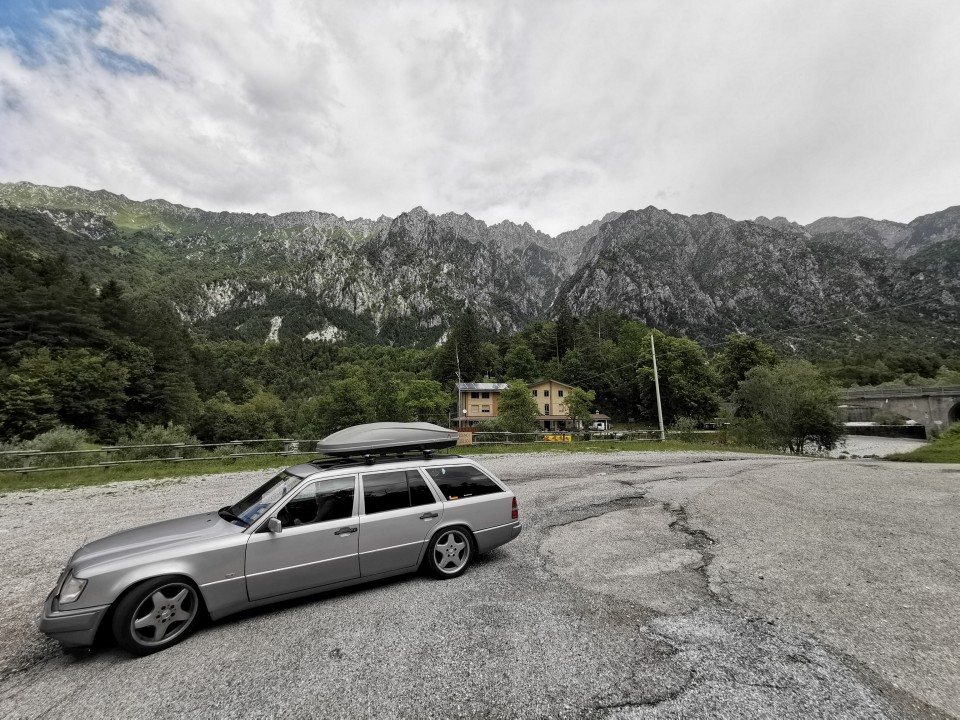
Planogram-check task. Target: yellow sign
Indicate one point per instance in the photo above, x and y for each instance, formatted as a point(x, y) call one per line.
point(464, 438)
point(558, 438)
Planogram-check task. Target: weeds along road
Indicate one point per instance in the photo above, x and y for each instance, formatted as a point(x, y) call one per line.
point(644, 585)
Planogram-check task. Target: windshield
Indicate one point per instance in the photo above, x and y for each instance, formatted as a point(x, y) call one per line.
point(257, 502)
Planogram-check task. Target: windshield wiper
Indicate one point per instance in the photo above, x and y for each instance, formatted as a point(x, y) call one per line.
point(225, 513)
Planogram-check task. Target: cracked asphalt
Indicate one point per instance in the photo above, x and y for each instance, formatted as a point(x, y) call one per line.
point(644, 585)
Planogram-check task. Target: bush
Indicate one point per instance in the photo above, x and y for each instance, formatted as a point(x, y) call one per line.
point(750, 432)
point(683, 429)
point(141, 434)
point(62, 438)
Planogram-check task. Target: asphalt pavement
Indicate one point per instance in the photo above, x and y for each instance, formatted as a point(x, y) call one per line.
point(644, 585)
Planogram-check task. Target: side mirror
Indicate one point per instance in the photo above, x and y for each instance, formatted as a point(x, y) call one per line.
point(274, 525)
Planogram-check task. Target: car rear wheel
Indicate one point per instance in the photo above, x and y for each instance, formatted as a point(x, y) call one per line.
point(450, 551)
point(156, 614)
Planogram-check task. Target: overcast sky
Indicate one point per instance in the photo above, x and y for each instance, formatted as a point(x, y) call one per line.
point(552, 112)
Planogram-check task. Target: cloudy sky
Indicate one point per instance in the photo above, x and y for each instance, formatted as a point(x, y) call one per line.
point(551, 111)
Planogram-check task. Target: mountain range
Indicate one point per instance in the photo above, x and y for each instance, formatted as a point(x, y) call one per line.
point(404, 280)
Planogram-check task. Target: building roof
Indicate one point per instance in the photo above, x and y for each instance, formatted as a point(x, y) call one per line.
point(599, 416)
point(482, 386)
point(549, 380)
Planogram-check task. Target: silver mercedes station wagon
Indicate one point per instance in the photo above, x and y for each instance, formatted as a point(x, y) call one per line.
point(373, 511)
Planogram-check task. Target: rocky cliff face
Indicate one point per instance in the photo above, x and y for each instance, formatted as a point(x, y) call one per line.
point(404, 279)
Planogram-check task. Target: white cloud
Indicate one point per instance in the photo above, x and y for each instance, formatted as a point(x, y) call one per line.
point(553, 112)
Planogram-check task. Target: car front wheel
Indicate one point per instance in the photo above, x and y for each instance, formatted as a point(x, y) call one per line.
point(450, 551)
point(155, 615)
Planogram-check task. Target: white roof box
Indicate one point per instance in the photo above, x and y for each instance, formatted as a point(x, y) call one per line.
point(387, 437)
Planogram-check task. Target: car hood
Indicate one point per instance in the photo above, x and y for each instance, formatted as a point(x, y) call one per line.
point(156, 536)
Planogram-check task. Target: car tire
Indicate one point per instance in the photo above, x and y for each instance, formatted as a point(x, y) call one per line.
point(156, 614)
point(450, 551)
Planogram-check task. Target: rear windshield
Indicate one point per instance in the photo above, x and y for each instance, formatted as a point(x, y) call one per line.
point(462, 481)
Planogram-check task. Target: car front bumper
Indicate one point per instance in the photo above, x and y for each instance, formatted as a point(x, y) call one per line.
point(71, 628)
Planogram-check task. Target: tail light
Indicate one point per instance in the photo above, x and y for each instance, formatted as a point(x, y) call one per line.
point(516, 512)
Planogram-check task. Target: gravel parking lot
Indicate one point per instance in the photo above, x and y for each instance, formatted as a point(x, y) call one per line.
point(644, 585)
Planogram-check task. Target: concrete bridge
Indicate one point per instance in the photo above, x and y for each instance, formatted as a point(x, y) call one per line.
point(933, 407)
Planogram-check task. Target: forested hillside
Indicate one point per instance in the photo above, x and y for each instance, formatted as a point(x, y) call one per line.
point(119, 316)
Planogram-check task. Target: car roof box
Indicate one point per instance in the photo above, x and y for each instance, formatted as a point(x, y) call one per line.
point(387, 437)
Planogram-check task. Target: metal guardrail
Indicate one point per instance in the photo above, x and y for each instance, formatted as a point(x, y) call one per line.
point(35, 461)
point(553, 438)
point(848, 393)
point(175, 452)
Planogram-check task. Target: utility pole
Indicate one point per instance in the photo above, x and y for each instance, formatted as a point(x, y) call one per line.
point(656, 384)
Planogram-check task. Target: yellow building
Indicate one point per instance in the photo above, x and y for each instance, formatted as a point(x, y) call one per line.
point(477, 402)
point(550, 395)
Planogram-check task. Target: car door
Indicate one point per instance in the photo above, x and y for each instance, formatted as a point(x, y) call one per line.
point(317, 544)
point(399, 512)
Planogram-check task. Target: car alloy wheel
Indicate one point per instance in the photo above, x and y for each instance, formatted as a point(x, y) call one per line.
point(450, 552)
point(156, 615)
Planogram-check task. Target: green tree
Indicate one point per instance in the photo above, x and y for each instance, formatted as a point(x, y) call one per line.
point(463, 351)
point(518, 409)
point(796, 404)
point(688, 385)
point(347, 402)
point(573, 368)
point(425, 400)
point(579, 405)
point(27, 407)
point(519, 362)
point(740, 354)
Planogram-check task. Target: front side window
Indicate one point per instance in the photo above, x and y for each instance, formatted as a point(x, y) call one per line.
point(462, 481)
point(486, 408)
point(394, 490)
point(534, 393)
point(475, 395)
point(559, 393)
point(485, 396)
point(257, 502)
point(329, 499)
point(546, 393)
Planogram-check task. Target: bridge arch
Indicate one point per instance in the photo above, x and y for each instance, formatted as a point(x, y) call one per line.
point(953, 414)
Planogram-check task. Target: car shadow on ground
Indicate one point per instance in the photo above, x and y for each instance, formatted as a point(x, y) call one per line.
point(105, 645)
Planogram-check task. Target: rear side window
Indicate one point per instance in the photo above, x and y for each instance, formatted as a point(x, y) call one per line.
point(462, 481)
point(394, 491)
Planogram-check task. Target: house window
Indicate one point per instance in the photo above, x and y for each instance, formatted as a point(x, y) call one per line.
point(474, 408)
point(559, 393)
point(474, 396)
point(486, 408)
point(485, 396)
point(546, 393)
point(534, 393)
point(546, 408)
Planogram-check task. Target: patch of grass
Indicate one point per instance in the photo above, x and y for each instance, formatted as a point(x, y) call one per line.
point(58, 479)
point(945, 449)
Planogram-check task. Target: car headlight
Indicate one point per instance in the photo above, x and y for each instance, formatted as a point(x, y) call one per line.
point(71, 589)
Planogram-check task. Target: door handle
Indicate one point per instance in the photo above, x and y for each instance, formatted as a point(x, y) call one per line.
point(429, 515)
point(345, 531)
